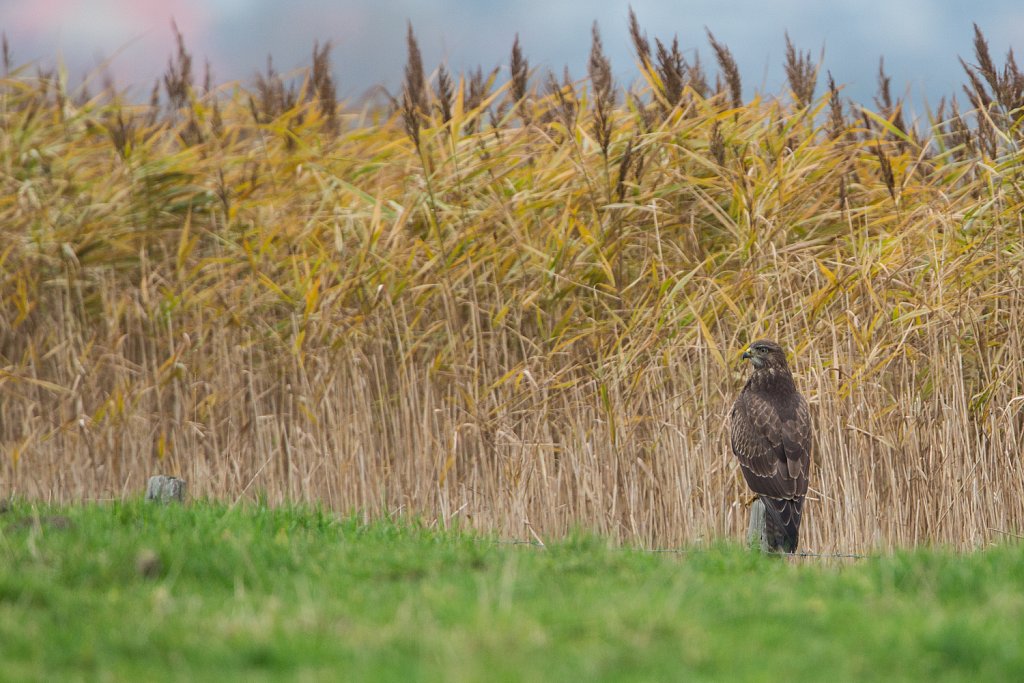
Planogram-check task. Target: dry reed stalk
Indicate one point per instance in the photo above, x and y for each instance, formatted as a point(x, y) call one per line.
point(801, 73)
point(519, 73)
point(730, 71)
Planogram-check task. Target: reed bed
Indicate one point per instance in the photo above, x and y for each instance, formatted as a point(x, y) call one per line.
point(517, 304)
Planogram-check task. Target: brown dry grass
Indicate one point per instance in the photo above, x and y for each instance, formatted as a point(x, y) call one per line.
point(516, 309)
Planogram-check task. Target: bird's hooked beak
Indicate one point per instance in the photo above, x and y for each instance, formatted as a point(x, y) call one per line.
point(754, 360)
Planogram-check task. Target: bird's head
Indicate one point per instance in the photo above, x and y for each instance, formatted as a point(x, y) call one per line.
point(766, 354)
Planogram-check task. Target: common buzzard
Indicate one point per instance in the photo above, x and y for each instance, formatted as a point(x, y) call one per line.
point(771, 437)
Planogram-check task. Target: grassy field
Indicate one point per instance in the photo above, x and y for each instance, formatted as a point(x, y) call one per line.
point(128, 591)
point(516, 301)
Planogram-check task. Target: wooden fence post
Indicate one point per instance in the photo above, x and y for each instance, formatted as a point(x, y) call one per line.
point(163, 489)
point(755, 534)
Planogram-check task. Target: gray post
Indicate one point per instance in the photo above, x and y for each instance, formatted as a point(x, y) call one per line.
point(755, 534)
point(163, 489)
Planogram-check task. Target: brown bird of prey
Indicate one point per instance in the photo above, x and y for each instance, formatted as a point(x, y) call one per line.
point(771, 437)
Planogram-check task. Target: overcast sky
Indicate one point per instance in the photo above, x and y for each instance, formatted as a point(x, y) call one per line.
point(920, 39)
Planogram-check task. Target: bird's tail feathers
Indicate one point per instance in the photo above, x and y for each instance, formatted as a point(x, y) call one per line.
point(782, 523)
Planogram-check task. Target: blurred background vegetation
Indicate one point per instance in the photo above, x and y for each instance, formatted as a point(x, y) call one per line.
point(517, 302)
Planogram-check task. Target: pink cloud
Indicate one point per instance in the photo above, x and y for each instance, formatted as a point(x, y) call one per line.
point(135, 33)
point(111, 16)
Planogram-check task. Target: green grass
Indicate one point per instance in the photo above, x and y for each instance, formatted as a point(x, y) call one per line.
point(136, 592)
